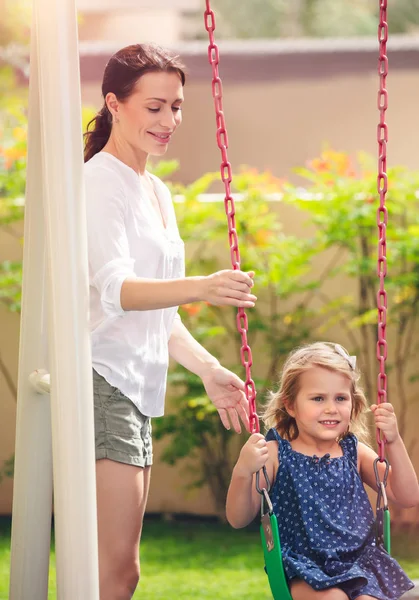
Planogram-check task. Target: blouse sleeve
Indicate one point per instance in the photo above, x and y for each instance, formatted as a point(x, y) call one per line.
point(110, 262)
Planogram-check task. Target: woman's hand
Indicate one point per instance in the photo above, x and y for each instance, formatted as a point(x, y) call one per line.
point(253, 456)
point(228, 287)
point(226, 391)
point(386, 420)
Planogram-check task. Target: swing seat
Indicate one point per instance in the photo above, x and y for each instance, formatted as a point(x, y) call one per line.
point(382, 519)
point(269, 533)
point(387, 534)
point(383, 534)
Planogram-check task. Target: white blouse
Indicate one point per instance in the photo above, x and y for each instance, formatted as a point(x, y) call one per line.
point(126, 238)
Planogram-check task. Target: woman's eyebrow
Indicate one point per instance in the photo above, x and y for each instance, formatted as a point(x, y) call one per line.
point(165, 101)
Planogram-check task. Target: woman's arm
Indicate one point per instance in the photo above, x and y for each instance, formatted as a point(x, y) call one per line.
point(402, 483)
point(189, 353)
point(111, 265)
point(243, 499)
point(223, 387)
point(226, 287)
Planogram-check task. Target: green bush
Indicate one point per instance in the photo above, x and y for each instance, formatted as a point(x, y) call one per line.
point(343, 207)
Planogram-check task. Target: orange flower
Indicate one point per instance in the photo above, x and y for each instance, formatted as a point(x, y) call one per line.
point(319, 165)
point(274, 184)
point(19, 133)
point(262, 236)
point(192, 309)
point(253, 172)
point(11, 155)
point(337, 163)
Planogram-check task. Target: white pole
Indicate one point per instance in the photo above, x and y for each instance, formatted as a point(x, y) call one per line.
point(70, 353)
point(32, 486)
point(71, 369)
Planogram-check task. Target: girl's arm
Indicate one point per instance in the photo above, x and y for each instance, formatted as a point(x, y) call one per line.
point(243, 500)
point(224, 388)
point(402, 483)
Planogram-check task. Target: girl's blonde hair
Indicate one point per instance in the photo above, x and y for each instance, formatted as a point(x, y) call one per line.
point(320, 354)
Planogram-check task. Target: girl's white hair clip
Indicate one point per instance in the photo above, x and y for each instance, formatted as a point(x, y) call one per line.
point(351, 359)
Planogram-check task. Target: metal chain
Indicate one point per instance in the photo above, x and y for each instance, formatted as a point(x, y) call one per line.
point(226, 176)
point(382, 215)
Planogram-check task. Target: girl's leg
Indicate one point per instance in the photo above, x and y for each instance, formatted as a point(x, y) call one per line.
point(122, 492)
point(300, 590)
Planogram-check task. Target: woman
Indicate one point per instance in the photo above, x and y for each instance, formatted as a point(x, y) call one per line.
point(137, 282)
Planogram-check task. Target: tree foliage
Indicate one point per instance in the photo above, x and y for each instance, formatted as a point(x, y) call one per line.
point(310, 18)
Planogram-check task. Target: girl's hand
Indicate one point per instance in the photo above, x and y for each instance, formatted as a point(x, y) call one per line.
point(253, 456)
point(228, 287)
point(386, 420)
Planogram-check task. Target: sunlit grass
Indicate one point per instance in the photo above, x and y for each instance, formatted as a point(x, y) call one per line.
point(192, 560)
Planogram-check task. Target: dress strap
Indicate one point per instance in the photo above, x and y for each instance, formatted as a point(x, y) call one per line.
point(273, 435)
point(284, 446)
point(350, 448)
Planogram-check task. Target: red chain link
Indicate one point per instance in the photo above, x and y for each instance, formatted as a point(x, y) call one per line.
point(382, 215)
point(226, 176)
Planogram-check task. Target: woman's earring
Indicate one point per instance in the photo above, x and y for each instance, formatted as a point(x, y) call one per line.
point(115, 119)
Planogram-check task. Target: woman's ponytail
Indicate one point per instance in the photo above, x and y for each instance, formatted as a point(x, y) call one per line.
point(100, 130)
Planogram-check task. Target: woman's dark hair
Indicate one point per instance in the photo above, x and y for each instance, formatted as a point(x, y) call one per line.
point(121, 74)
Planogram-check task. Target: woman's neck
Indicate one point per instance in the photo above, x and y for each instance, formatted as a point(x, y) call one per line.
point(135, 159)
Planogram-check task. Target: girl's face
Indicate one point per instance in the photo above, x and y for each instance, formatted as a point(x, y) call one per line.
point(147, 119)
point(323, 406)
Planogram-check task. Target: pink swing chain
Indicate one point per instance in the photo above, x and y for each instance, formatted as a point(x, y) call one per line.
point(226, 176)
point(382, 216)
point(382, 213)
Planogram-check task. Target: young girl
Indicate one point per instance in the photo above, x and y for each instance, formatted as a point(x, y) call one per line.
point(318, 464)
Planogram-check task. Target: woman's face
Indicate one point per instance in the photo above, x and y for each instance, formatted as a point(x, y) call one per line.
point(147, 119)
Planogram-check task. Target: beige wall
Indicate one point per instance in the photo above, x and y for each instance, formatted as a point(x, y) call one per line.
point(278, 116)
point(274, 121)
point(280, 125)
point(126, 27)
point(125, 22)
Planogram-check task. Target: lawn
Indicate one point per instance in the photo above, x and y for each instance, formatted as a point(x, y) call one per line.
point(200, 560)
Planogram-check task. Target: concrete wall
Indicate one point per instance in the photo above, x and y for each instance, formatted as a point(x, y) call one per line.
point(281, 103)
point(128, 21)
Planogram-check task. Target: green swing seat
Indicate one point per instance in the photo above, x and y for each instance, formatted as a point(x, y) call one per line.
point(269, 533)
point(386, 530)
point(271, 543)
point(382, 511)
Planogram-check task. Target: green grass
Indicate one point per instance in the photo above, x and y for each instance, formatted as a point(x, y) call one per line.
point(195, 560)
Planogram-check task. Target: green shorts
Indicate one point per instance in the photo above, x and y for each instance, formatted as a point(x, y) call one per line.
point(122, 432)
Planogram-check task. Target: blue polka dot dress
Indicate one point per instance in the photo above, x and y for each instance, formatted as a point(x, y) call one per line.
point(326, 524)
